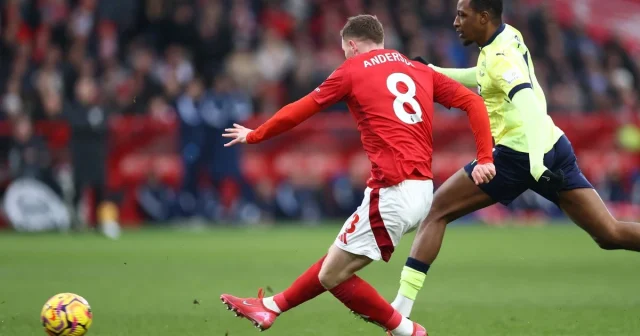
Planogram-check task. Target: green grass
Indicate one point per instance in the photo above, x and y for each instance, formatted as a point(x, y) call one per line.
point(488, 281)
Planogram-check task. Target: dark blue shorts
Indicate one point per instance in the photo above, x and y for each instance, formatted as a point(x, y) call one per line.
point(513, 176)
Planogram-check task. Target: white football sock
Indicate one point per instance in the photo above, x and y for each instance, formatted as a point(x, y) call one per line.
point(403, 305)
point(270, 303)
point(404, 329)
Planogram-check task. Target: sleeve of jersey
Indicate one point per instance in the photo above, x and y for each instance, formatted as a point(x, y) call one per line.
point(334, 88)
point(466, 77)
point(285, 119)
point(450, 93)
point(511, 73)
point(527, 104)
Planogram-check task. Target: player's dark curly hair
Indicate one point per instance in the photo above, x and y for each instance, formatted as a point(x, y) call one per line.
point(493, 7)
point(366, 27)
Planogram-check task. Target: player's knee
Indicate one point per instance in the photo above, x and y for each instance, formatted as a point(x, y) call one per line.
point(605, 244)
point(327, 278)
point(609, 238)
point(434, 219)
point(330, 278)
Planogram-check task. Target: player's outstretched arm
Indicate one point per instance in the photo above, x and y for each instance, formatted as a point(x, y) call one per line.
point(451, 94)
point(466, 77)
point(332, 90)
point(285, 119)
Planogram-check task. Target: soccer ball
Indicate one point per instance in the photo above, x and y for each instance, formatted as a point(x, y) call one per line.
point(66, 314)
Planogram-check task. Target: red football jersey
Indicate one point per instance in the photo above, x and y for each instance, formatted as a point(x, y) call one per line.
point(391, 99)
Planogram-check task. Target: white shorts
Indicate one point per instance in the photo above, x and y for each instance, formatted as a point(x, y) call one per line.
point(386, 214)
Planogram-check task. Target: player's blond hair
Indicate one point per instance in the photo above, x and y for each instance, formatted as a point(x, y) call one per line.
point(363, 27)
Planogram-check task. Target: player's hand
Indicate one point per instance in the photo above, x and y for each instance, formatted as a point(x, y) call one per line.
point(238, 133)
point(552, 181)
point(483, 173)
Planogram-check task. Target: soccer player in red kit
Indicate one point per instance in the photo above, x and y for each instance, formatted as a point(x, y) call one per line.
point(391, 98)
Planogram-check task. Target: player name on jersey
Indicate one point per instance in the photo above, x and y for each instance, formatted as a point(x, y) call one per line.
point(384, 58)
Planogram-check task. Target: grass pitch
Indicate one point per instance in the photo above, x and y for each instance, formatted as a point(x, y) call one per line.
point(488, 281)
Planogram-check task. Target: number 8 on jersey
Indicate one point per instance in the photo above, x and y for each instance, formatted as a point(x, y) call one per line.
point(404, 98)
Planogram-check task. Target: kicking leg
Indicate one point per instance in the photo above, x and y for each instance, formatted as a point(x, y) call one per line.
point(371, 234)
point(586, 209)
point(262, 312)
point(457, 197)
point(365, 237)
point(334, 272)
point(338, 276)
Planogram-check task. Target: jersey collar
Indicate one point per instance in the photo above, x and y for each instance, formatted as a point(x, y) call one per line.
point(495, 35)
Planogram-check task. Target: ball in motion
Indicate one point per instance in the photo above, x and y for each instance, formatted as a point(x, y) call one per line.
point(66, 314)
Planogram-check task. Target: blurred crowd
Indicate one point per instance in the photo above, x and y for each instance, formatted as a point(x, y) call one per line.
point(273, 51)
point(216, 62)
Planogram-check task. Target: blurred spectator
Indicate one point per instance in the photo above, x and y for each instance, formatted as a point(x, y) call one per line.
point(347, 189)
point(156, 199)
point(12, 103)
point(227, 105)
point(29, 156)
point(635, 188)
point(138, 90)
point(204, 115)
point(215, 38)
point(88, 121)
point(192, 144)
point(175, 65)
point(612, 188)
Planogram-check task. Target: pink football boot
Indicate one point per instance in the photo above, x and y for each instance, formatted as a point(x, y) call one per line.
point(252, 309)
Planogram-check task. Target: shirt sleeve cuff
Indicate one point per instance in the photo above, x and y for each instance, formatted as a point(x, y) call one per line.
point(250, 138)
point(517, 89)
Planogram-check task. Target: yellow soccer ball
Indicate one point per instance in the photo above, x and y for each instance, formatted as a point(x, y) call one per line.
point(66, 314)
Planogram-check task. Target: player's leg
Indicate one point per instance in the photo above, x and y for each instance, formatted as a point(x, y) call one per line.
point(308, 285)
point(262, 312)
point(339, 266)
point(457, 197)
point(336, 272)
point(586, 209)
point(338, 276)
point(374, 231)
point(582, 204)
point(332, 270)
